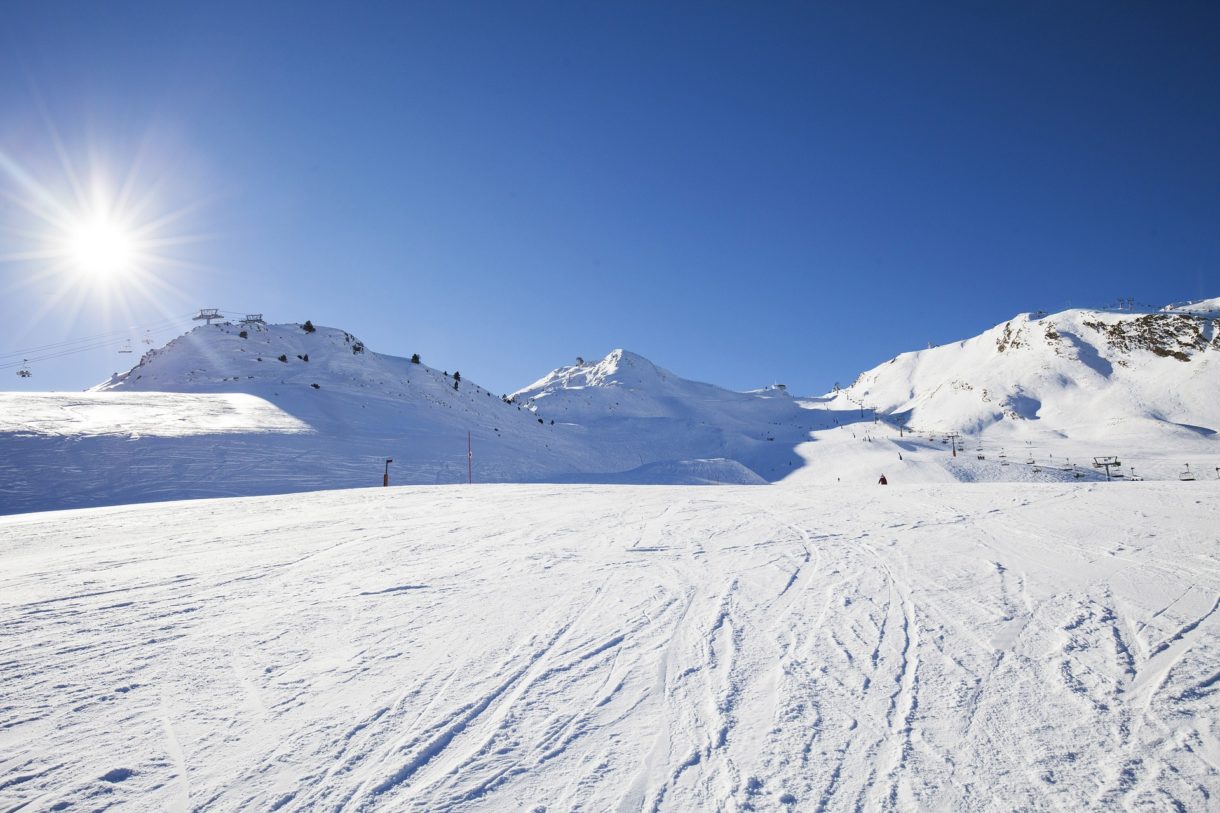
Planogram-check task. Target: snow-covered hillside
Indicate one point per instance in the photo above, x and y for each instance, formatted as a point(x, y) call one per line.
point(1084, 373)
point(1079, 383)
point(628, 407)
point(230, 410)
point(282, 408)
point(489, 648)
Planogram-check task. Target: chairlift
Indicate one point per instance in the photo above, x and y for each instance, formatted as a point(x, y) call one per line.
point(1037, 469)
point(1186, 474)
point(24, 372)
point(1029, 462)
point(147, 337)
point(126, 348)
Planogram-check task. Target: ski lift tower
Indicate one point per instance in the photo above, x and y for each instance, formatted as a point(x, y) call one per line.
point(207, 315)
point(1107, 463)
point(253, 320)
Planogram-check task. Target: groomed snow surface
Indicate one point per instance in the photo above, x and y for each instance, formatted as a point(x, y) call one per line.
point(528, 647)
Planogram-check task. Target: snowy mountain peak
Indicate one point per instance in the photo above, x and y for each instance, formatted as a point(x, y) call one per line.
point(324, 376)
point(1094, 372)
point(618, 368)
point(234, 357)
point(1205, 307)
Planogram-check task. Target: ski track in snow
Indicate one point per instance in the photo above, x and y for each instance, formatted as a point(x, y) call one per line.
point(986, 647)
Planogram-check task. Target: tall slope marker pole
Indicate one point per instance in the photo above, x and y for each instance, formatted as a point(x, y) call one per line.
point(469, 461)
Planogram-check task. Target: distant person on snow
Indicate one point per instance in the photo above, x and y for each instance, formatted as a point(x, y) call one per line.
point(883, 481)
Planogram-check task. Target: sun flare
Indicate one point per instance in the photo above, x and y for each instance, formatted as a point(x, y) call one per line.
point(101, 248)
point(94, 237)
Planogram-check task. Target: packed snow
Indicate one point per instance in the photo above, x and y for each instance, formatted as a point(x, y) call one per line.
point(997, 646)
point(133, 415)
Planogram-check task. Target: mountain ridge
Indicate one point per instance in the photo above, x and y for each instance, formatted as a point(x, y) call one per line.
point(1076, 368)
point(229, 410)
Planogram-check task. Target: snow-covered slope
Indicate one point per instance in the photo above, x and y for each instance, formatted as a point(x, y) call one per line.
point(1079, 383)
point(528, 647)
point(281, 408)
point(230, 410)
point(627, 385)
point(1083, 373)
point(347, 394)
point(214, 413)
point(634, 412)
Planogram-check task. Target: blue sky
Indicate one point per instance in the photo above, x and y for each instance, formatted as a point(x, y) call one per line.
point(743, 192)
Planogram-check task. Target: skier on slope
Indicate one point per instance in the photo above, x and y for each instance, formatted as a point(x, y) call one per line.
point(883, 481)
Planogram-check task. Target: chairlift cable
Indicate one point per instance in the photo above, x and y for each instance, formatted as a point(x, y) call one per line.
point(99, 337)
point(63, 349)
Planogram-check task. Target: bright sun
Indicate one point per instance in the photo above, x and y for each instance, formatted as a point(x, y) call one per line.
point(101, 248)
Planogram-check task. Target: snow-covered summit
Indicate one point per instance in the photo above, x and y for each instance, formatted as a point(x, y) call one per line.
point(1198, 306)
point(619, 367)
point(1078, 372)
point(237, 357)
point(630, 407)
point(623, 384)
point(321, 372)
